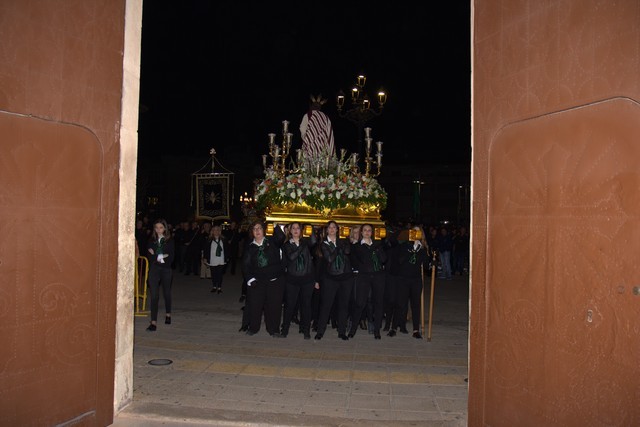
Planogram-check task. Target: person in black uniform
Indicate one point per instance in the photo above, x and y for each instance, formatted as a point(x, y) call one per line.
point(368, 258)
point(262, 269)
point(405, 267)
point(336, 280)
point(300, 279)
point(160, 253)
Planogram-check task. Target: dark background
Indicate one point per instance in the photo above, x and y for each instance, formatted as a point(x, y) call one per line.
point(224, 74)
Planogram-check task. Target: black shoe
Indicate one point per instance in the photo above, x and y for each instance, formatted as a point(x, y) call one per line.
point(284, 333)
point(377, 336)
point(343, 337)
point(351, 334)
point(243, 329)
point(250, 333)
point(417, 335)
point(318, 337)
point(242, 298)
point(151, 327)
point(391, 333)
point(278, 335)
point(404, 330)
point(307, 336)
point(167, 320)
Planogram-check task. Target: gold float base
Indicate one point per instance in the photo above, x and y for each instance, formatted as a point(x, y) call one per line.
point(345, 217)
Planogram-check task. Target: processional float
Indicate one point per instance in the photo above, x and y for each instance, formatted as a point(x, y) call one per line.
point(316, 186)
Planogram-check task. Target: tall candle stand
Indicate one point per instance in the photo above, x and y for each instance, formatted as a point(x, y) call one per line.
point(379, 157)
point(368, 160)
point(279, 153)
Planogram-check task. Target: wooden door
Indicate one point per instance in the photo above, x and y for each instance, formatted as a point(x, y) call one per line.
point(562, 340)
point(50, 256)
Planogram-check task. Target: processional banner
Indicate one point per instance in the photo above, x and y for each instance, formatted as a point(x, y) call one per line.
point(212, 195)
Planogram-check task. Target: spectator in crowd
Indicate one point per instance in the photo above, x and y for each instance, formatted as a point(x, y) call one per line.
point(445, 246)
point(233, 237)
point(214, 256)
point(461, 252)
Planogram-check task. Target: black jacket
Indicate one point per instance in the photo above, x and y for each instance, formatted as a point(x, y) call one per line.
point(167, 248)
point(337, 264)
point(405, 261)
point(271, 249)
point(298, 260)
point(368, 258)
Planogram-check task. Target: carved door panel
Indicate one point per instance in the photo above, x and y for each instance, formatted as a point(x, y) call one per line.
point(49, 259)
point(563, 320)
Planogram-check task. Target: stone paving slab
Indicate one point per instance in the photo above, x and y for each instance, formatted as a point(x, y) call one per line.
point(219, 376)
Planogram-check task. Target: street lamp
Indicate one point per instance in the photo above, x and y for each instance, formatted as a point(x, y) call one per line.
point(360, 112)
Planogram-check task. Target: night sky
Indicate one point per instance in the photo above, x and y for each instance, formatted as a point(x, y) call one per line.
point(225, 74)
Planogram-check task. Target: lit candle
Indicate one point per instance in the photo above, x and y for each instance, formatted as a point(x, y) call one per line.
point(285, 127)
point(367, 132)
point(379, 143)
point(264, 161)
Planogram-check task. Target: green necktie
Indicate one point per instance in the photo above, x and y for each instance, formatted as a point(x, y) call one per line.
point(219, 248)
point(376, 261)
point(262, 258)
point(300, 263)
point(412, 258)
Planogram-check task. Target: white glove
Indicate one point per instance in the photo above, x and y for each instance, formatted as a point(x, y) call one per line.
point(160, 258)
point(417, 245)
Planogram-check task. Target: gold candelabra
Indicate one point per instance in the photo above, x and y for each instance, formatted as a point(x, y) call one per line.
point(368, 159)
point(324, 164)
point(279, 153)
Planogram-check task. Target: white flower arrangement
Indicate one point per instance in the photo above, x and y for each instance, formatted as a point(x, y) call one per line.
point(320, 192)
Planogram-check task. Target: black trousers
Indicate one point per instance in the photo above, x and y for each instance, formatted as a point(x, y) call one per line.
point(340, 292)
point(298, 295)
point(216, 275)
point(265, 296)
point(365, 283)
point(159, 277)
point(408, 290)
point(390, 300)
